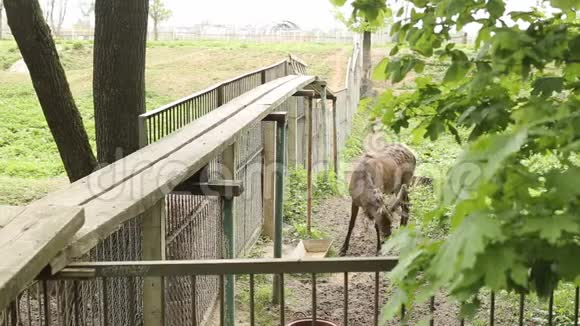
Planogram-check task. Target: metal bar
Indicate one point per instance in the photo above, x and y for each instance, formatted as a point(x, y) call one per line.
point(492, 309)
point(281, 286)
point(231, 266)
point(252, 302)
point(46, 303)
point(309, 167)
point(432, 311)
point(279, 205)
point(345, 304)
point(403, 313)
point(222, 304)
point(194, 300)
point(576, 304)
point(522, 302)
point(77, 302)
point(376, 310)
point(551, 310)
point(105, 302)
point(334, 138)
point(229, 234)
point(313, 299)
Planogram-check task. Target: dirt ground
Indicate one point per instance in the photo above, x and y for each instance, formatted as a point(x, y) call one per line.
point(332, 216)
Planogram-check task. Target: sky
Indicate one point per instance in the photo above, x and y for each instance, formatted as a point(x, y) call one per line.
point(308, 14)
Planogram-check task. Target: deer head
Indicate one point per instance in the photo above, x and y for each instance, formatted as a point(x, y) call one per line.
point(387, 209)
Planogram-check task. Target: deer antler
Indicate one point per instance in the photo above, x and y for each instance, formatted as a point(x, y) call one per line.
point(399, 198)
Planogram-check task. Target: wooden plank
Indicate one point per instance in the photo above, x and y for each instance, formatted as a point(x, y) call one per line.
point(8, 213)
point(233, 266)
point(153, 229)
point(139, 193)
point(30, 241)
point(269, 177)
point(293, 133)
point(216, 188)
point(99, 182)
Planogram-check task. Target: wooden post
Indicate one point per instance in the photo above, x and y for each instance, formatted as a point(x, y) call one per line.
point(293, 132)
point(309, 112)
point(280, 157)
point(334, 138)
point(269, 143)
point(366, 63)
point(325, 134)
point(153, 229)
point(142, 131)
point(228, 173)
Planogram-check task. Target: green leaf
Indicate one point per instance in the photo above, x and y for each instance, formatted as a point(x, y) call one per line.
point(338, 3)
point(496, 8)
point(479, 163)
point(460, 250)
point(419, 66)
point(380, 71)
point(565, 4)
point(457, 71)
point(546, 86)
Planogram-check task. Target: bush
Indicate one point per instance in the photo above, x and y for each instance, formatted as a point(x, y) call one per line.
point(324, 185)
point(360, 128)
point(78, 46)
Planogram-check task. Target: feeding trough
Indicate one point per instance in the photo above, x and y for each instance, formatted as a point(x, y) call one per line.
point(308, 322)
point(312, 249)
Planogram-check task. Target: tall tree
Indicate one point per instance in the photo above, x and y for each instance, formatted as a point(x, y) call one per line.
point(512, 197)
point(119, 75)
point(158, 13)
point(54, 14)
point(32, 35)
point(1, 18)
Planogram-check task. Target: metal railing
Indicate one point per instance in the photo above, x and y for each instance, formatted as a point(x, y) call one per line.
point(106, 273)
point(158, 123)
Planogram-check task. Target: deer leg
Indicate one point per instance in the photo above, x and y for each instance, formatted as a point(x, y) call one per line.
point(405, 206)
point(379, 240)
point(353, 214)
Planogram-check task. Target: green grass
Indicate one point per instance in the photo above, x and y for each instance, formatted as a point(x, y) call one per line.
point(174, 70)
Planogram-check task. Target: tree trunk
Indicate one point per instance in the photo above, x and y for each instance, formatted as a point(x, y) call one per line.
point(1, 18)
point(32, 35)
point(367, 64)
point(119, 75)
point(155, 33)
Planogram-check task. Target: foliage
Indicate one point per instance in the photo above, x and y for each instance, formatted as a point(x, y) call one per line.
point(301, 232)
point(367, 15)
point(158, 12)
point(324, 185)
point(27, 150)
point(267, 312)
point(514, 226)
point(354, 145)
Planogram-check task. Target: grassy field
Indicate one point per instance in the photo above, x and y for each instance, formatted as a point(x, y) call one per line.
point(29, 161)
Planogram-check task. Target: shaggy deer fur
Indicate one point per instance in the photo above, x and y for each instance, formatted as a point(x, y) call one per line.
point(378, 175)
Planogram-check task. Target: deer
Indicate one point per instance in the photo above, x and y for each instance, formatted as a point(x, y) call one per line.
point(379, 185)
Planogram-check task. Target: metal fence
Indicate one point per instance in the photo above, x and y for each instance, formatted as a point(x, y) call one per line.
point(72, 303)
point(195, 272)
point(194, 227)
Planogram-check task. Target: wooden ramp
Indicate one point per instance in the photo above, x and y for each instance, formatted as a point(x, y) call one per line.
point(133, 185)
point(29, 239)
